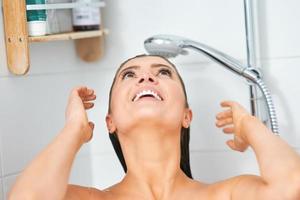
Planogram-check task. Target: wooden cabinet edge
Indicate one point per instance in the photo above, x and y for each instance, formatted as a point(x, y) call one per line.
point(16, 37)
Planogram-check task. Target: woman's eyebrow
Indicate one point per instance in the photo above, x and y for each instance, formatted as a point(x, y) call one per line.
point(161, 65)
point(130, 67)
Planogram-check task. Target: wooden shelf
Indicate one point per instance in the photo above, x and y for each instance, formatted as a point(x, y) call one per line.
point(88, 44)
point(67, 36)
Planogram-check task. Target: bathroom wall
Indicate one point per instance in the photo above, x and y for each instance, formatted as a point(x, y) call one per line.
point(32, 106)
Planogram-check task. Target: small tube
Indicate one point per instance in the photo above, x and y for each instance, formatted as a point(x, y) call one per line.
point(36, 19)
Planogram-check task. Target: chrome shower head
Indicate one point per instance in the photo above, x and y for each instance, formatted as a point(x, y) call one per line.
point(172, 46)
point(165, 45)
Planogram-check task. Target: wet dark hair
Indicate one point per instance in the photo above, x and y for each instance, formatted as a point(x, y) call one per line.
point(184, 135)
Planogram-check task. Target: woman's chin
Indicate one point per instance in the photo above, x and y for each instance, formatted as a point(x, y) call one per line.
point(148, 113)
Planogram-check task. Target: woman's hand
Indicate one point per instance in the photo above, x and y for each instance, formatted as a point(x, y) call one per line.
point(231, 120)
point(76, 116)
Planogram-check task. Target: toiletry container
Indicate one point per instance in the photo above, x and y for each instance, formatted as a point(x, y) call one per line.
point(86, 18)
point(59, 20)
point(36, 19)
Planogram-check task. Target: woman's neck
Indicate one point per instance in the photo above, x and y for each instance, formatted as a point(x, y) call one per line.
point(153, 160)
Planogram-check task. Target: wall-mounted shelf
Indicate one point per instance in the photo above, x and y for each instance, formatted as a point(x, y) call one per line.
point(89, 44)
point(67, 36)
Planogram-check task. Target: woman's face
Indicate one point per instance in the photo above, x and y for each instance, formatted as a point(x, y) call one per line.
point(147, 92)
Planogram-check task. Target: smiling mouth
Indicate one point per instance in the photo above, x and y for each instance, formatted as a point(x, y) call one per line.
point(147, 93)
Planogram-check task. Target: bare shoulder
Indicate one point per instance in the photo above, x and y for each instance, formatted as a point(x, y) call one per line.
point(76, 192)
point(250, 187)
point(224, 189)
point(232, 182)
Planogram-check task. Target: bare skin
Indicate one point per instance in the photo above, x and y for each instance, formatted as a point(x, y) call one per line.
point(150, 136)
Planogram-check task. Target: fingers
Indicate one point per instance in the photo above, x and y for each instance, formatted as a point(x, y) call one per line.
point(236, 107)
point(224, 114)
point(231, 144)
point(89, 98)
point(226, 117)
point(88, 105)
point(228, 130)
point(237, 145)
point(232, 117)
point(228, 103)
point(92, 125)
point(224, 122)
point(86, 94)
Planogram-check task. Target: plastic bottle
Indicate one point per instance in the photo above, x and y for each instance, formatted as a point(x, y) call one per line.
point(59, 20)
point(86, 18)
point(36, 19)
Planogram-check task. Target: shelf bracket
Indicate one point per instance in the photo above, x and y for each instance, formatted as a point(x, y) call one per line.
point(16, 36)
point(90, 49)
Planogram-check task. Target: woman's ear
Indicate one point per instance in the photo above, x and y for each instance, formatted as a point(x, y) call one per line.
point(110, 124)
point(187, 118)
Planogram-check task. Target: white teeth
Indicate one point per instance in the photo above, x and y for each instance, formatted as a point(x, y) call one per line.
point(147, 92)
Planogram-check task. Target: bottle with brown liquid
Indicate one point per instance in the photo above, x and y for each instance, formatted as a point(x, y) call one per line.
point(86, 18)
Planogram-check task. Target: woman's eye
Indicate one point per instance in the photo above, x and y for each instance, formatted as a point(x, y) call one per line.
point(165, 72)
point(128, 74)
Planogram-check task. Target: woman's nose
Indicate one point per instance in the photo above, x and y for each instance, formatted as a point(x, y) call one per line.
point(147, 77)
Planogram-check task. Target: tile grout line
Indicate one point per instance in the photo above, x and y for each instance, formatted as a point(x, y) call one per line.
point(278, 58)
point(11, 174)
point(40, 74)
point(71, 71)
point(2, 189)
point(1, 166)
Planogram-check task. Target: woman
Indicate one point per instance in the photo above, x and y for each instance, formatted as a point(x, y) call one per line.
point(149, 116)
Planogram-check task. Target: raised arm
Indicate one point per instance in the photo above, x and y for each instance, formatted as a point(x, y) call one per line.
point(279, 164)
point(46, 177)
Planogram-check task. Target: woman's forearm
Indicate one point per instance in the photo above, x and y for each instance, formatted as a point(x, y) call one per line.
point(278, 162)
point(47, 175)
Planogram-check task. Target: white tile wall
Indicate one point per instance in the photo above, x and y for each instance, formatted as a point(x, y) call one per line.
point(107, 170)
point(278, 28)
point(1, 153)
point(82, 173)
point(1, 190)
point(32, 107)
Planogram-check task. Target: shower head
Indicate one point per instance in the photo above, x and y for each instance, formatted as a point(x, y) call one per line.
point(172, 46)
point(165, 45)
